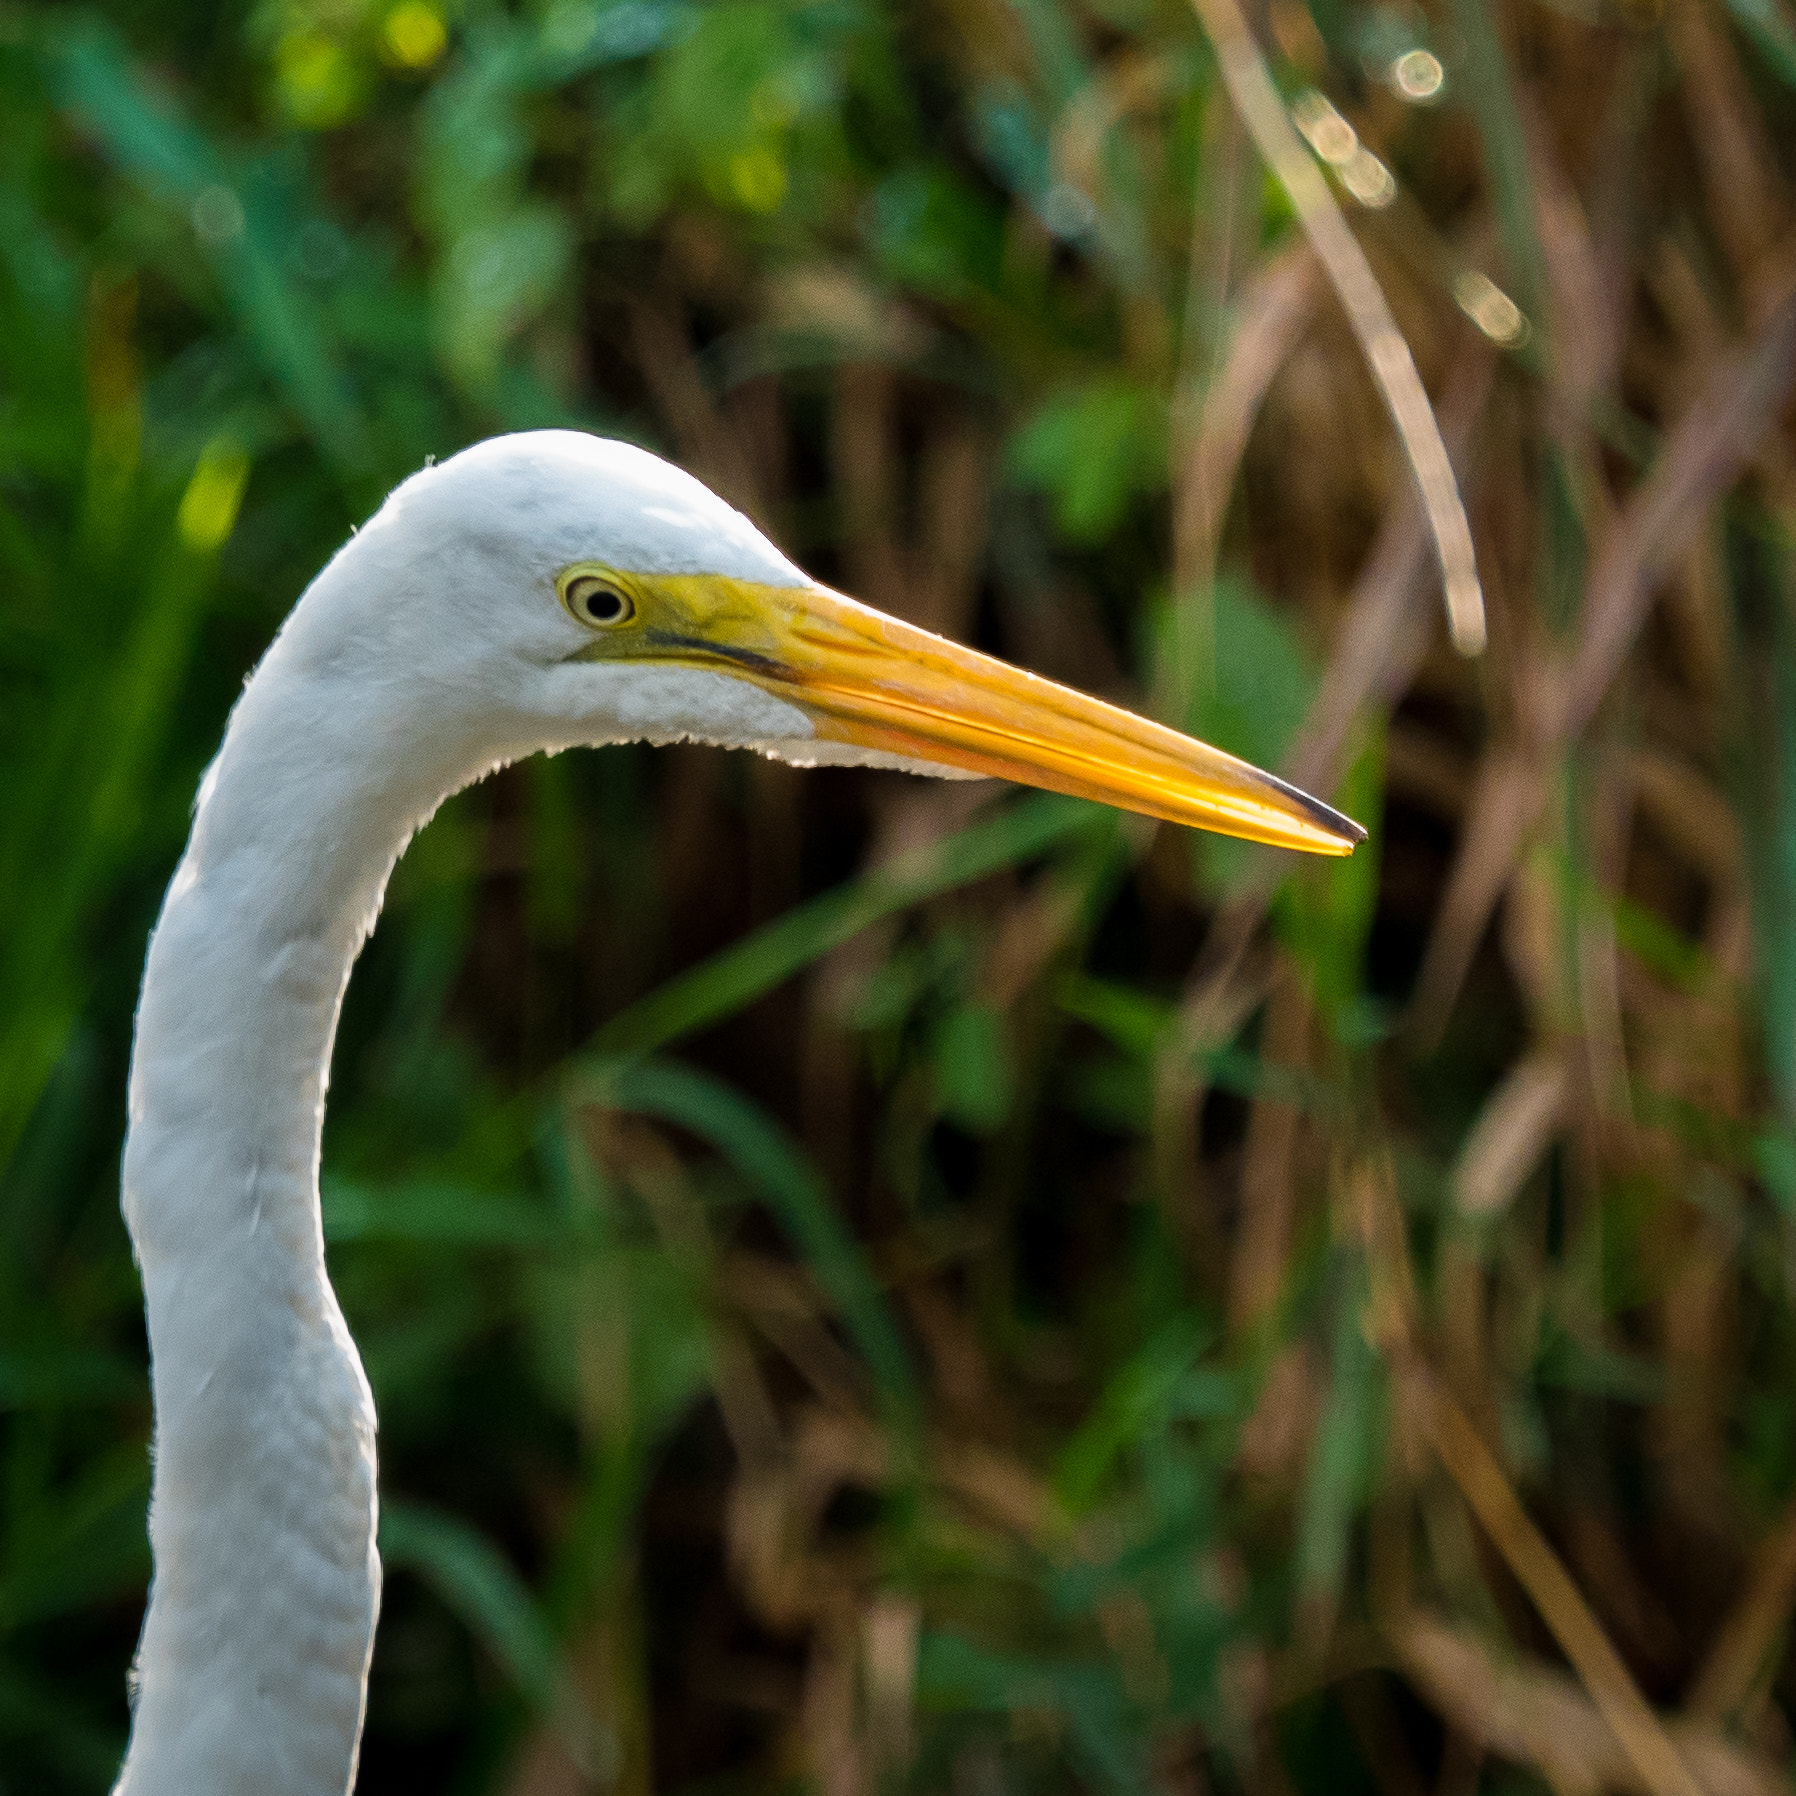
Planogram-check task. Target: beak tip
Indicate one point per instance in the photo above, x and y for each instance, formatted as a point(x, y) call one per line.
point(1346, 832)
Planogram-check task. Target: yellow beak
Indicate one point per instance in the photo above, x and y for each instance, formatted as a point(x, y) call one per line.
point(873, 681)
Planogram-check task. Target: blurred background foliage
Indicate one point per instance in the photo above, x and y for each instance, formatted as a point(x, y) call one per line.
point(872, 1285)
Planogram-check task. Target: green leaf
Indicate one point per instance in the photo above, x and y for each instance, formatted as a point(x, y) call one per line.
point(1137, 1402)
point(72, 1545)
point(1343, 1454)
point(148, 138)
point(955, 1673)
point(1131, 1019)
point(59, 1377)
point(733, 979)
point(1326, 911)
point(1254, 678)
point(1092, 450)
point(973, 1068)
point(763, 1155)
point(475, 1580)
point(497, 276)
point(1249, 679)
point(423, 1212)
point(84, 1747)
point(1768, 28)
point(933, 231)
point(1773, 856)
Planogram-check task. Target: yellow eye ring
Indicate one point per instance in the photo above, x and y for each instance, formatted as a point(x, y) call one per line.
point(594, 600)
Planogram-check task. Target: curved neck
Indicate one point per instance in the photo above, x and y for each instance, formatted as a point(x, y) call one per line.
point(252, 1666)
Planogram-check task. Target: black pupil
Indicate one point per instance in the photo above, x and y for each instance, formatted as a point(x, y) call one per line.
point(602, 605)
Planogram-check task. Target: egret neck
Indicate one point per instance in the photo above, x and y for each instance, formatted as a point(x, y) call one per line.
point(253, 1663)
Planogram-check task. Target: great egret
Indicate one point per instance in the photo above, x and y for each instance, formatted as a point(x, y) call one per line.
point(533, 593)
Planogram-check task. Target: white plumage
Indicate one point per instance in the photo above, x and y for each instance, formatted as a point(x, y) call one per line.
point(439, 643)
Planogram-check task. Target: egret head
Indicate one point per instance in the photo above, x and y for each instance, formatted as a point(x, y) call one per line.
point(585, 591)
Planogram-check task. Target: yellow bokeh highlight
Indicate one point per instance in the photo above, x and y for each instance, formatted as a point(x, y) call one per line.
point(1491, 309)
point(414, 35)
point(208, 512)
point(1417, 75)
point(758, 179)
point(317, 80)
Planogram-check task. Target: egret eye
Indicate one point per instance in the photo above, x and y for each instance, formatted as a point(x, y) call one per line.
point(595, 601)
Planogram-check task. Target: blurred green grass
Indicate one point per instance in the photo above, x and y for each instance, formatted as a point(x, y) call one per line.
point(877, 1286)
